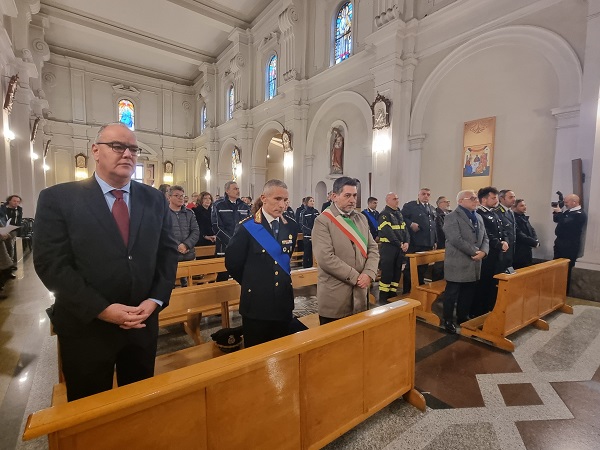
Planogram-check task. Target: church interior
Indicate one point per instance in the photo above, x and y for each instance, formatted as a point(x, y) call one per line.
point(395, 93)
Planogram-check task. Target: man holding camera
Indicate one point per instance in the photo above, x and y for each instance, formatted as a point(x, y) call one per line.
point(569, 228)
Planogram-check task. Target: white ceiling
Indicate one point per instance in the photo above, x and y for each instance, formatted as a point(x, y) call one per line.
point(164, 38)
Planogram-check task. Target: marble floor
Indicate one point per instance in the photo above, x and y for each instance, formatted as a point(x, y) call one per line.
point(545, 395)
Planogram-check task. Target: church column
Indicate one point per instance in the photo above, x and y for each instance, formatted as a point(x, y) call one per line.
point(589, 137)
point(213, 155)
point(395, 166)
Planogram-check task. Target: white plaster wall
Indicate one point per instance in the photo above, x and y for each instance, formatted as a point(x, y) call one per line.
point(519, 87)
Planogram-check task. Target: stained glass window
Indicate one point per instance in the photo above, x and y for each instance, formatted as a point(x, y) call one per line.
point(272, 78)
point(343, 33)
point(230, 101)
point(203, 118)
point(127, 113)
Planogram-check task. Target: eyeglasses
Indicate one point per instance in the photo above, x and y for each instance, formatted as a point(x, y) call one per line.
point(470, 198)
point(177, 195)
point(120, 147)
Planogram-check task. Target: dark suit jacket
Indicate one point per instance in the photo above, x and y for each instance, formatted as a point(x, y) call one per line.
point(267, 292)
point(80, 256)
point(424, 215)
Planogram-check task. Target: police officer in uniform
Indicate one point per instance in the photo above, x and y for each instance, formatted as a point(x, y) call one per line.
point(507, 201)
point(394, 239)
point(485, 297)
point(226, 213)
point(569, 228)
point(258, 258)
point(419, 216)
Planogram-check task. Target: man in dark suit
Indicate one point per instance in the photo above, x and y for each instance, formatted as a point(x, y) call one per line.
point(104, 247)
point(419, 216)
point(258, 258)
point(507, 200)
point(327, 204)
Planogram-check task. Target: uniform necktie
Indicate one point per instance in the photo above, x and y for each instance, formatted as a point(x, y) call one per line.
point(275, 228)
point(121, 214)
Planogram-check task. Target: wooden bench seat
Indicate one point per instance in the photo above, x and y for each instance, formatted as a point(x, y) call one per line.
point(523, 299)
point(195, 406)
point(200, 271)
point(426, 293)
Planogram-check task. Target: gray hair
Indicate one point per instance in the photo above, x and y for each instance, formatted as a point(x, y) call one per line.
point(461, 194)
point(228, 184)
point(175, 188)
point(104, 127)
point(274, 183)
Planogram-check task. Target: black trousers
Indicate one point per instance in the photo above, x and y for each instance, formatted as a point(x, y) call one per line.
point(307, 258)
point(219, 253)
point(89, 358)
point(487, 287)
point(325, 320)
point(259, 331)
point(461, 295)
point(569, 250)
point(391, 258)
point(406, 283)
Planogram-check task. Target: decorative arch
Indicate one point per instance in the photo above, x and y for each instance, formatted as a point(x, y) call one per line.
point(553, 47)
point(341, 97)
point(261, 143)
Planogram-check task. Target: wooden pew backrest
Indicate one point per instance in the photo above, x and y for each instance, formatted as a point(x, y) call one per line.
point(292, 386)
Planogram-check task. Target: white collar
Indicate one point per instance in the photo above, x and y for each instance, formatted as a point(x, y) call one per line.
point(575, 208)
point(268, 216)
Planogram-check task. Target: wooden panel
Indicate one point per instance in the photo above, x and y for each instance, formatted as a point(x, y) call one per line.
point(181, 420)
point(331, 376)
point(531, 292)
point(385, 363)
point(268, 397)
point(546, 296)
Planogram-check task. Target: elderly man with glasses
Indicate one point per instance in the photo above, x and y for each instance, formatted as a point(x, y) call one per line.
point(466, 246)
point(104, 247)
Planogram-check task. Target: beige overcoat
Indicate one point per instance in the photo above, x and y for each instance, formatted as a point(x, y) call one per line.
point(340, 263)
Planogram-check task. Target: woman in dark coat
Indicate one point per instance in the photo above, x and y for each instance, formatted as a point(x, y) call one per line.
point(202, 211)
point(526, 237)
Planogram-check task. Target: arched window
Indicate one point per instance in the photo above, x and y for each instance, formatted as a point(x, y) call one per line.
point(127, 113)
point(230, 101)
point(343, 33)
point(203, 119)
point(272, 77)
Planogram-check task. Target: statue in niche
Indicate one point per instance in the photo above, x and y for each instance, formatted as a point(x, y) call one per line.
point(337, 151)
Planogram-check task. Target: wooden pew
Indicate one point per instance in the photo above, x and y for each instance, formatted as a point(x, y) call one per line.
point(205, 268)
point(297, 255)
point(523, 299)
point(284, 394)
point(188, 305)
point(426, 293)
point(205, 251)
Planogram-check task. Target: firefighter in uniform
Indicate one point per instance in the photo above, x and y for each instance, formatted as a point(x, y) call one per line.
point(394, 239)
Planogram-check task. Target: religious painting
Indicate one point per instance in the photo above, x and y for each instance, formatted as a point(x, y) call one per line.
point(381, 112)
point(337, 151)
point(477, 154)
point(13, 84)
point(286, 139)
point(236, 163)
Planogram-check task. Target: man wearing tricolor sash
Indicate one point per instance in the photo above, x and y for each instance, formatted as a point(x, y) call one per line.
point(346, 254)
point(258, 258)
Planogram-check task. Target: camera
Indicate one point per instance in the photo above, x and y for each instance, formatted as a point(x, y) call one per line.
point(561, 201)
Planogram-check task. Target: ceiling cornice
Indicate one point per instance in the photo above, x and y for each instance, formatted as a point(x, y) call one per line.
point(120, 66)
point(156, 43)
point(223, 20)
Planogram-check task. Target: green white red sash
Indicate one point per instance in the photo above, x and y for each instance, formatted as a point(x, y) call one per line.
point(349, 228)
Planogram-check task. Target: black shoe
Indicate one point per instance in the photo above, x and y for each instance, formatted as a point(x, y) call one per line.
point(449, 326)
point(11, 276)
point(13, 267)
